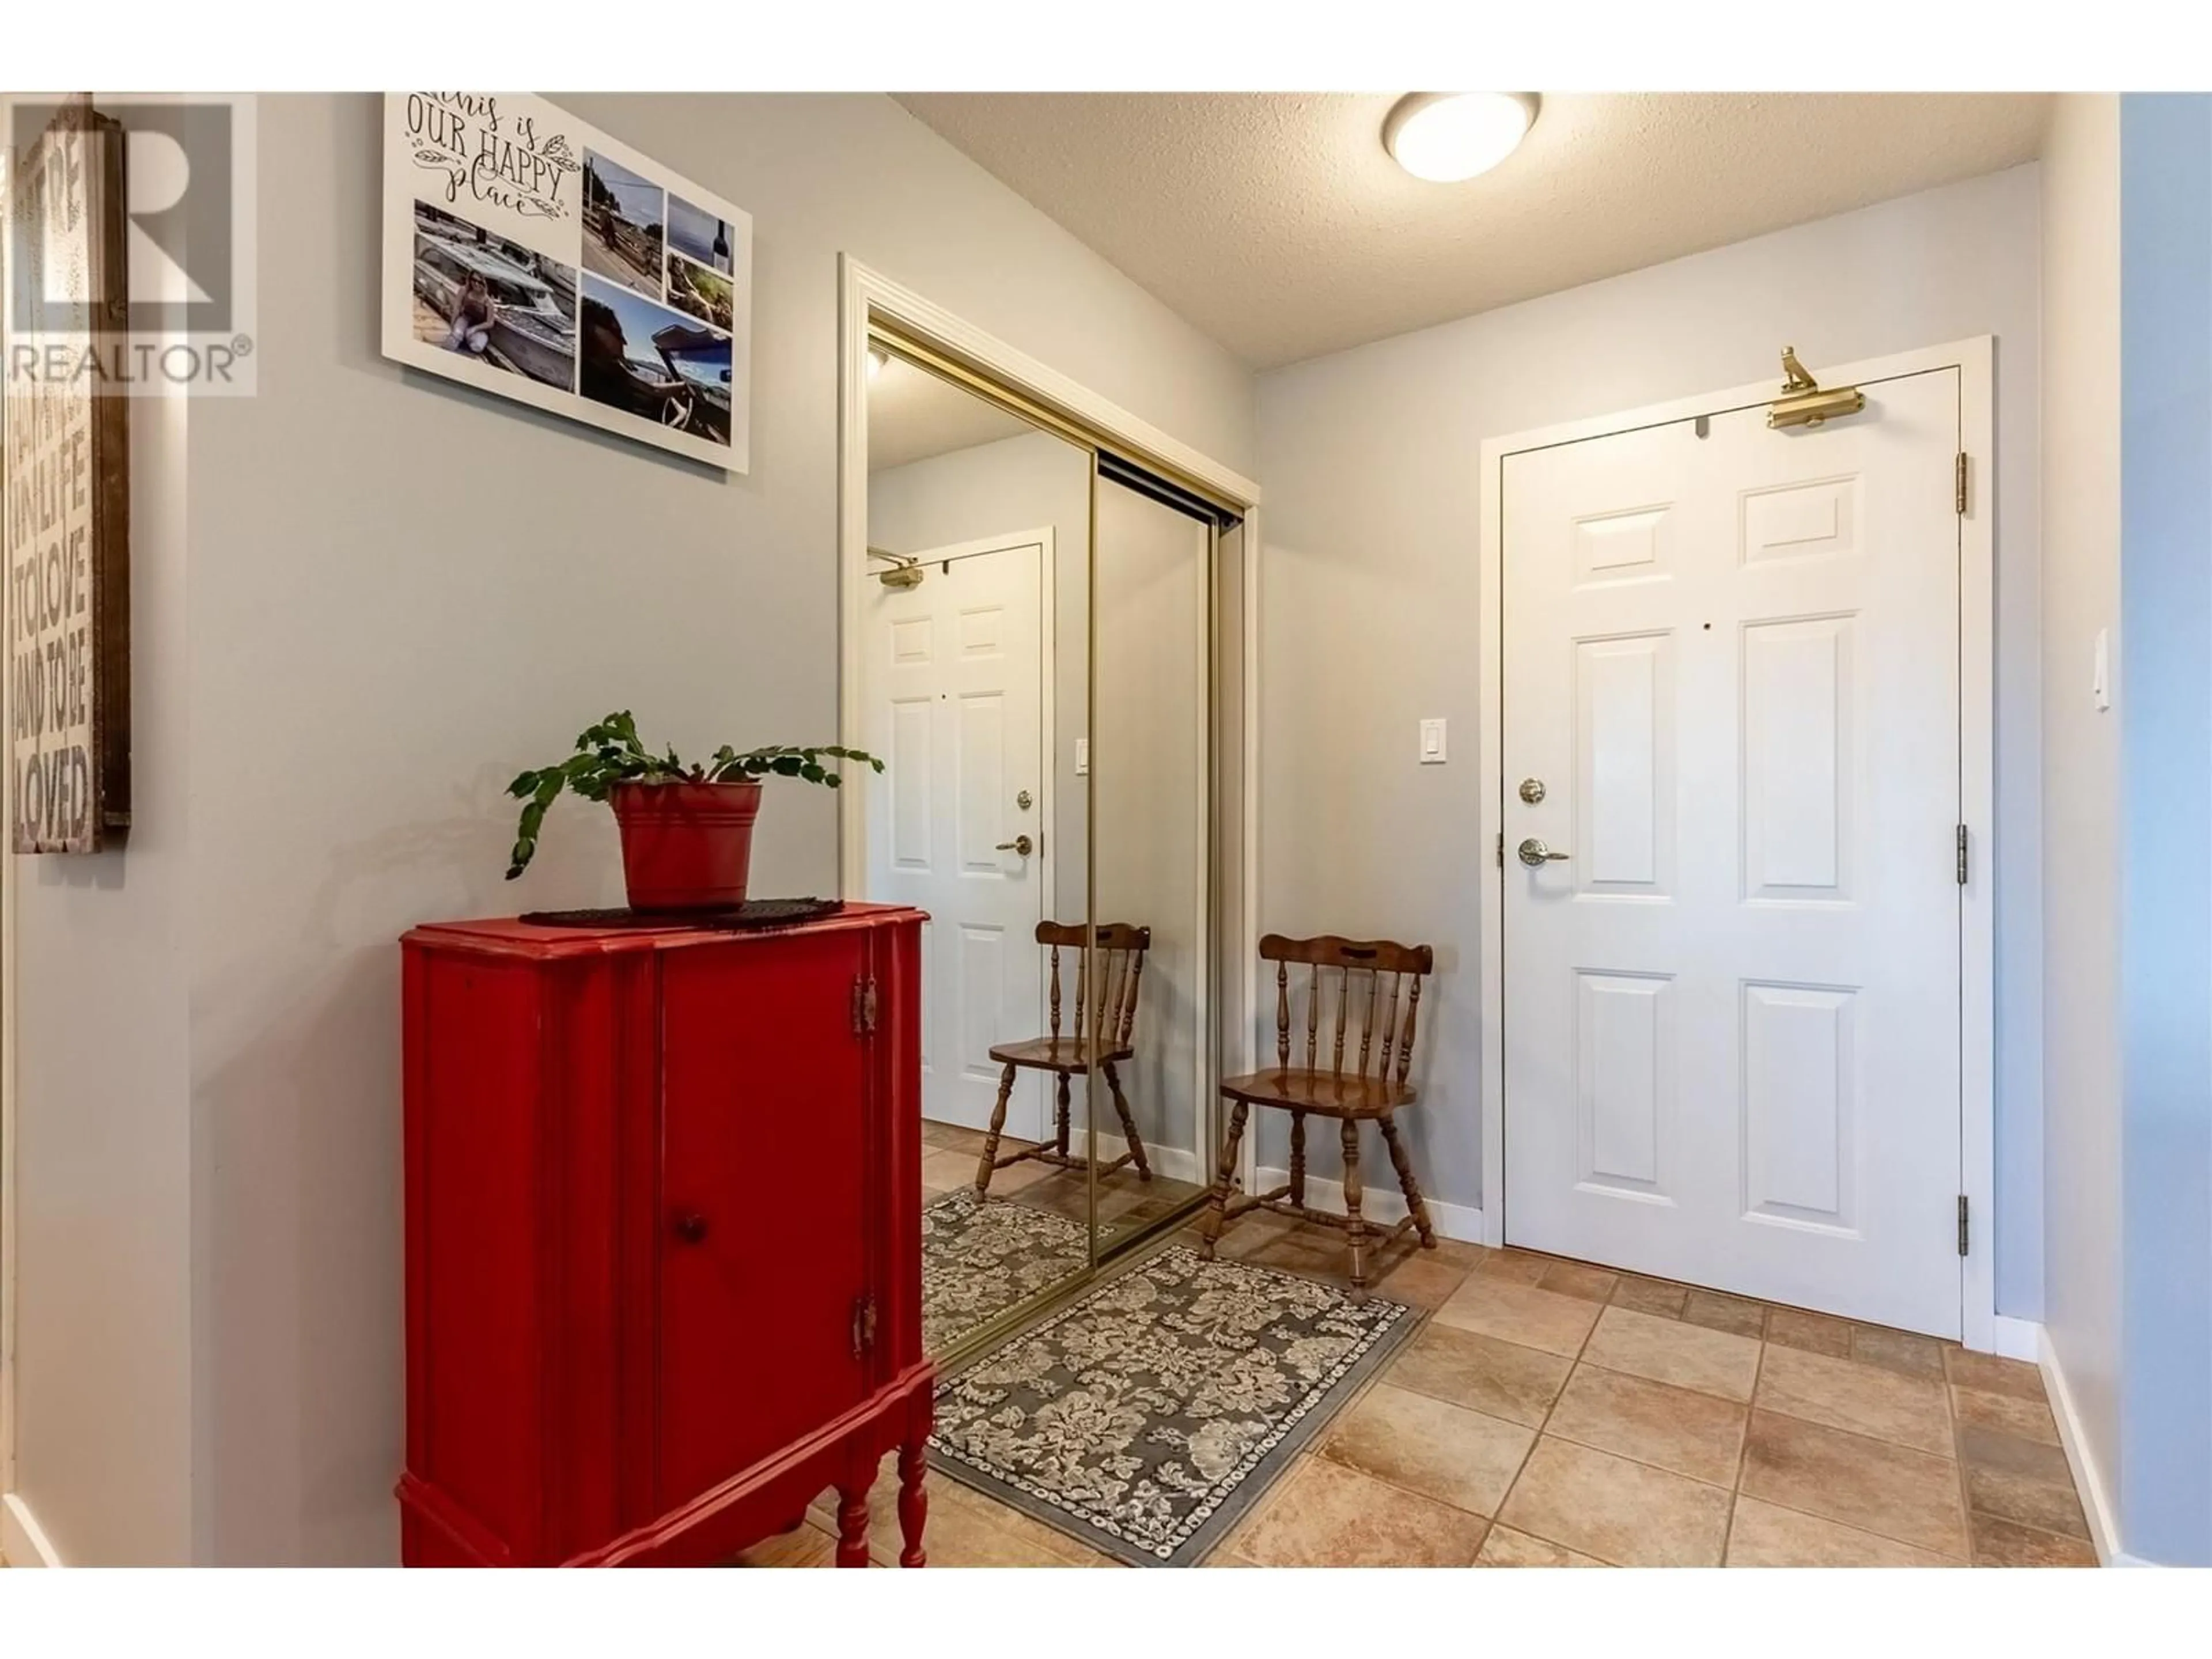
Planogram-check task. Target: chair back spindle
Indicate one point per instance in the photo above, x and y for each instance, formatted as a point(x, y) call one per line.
point(1120, 970)
point(1350, 974)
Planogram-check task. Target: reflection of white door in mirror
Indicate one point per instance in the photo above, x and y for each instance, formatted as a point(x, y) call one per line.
point(954, 685)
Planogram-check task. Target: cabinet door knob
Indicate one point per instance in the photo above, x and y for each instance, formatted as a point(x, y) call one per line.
point(690, 1226)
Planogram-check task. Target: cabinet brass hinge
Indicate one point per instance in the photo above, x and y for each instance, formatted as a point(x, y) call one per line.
point(863, 1323)
point(1962, 855)
point(1959, 495)
point(1962, 1224)
point(864, 1006)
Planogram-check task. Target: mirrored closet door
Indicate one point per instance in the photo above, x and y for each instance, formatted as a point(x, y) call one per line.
point(975, 670)
point(1037, 667)
point(1150, 818)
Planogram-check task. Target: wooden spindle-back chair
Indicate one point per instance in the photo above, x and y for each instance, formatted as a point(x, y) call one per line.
point(1120, 968)
point(1355, 1068)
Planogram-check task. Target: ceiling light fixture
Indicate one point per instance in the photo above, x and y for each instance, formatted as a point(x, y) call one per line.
point(1446, 137)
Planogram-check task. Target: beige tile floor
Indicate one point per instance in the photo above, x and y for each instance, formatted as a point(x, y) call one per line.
point(1551, 1413)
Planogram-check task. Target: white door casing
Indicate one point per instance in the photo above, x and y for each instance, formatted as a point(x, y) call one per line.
point(1731, 1017)
point(956, 676)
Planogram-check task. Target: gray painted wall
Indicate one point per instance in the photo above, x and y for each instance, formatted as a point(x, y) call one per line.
point(2165, 909)
point(2081, 764)
point(400, 592)
point(103, 1153)
point(1370, 605)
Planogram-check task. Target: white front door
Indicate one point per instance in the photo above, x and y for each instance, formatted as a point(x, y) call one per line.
point(955, 685)
point(1731, 1044)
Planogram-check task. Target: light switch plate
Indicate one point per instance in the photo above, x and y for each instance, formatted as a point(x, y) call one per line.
point(2101, 674)
point(1433, 742)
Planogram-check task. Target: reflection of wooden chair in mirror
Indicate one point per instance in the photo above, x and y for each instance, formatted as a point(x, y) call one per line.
point(1121, 957)
point(1359, 968)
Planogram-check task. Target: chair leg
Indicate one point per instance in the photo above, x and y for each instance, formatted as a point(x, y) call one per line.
point(1060, 1116)
point(1298, 1158)
point(1128, 1123)
point(1217, 1208)
point(989, 1161)
point(1359, 1228)
point(1407, 1184)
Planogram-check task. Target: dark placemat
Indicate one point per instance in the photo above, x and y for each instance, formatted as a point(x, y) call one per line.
point(731, 919)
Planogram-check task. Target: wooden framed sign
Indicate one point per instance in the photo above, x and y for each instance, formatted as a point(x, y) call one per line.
point(531, 255)
point(64, 459)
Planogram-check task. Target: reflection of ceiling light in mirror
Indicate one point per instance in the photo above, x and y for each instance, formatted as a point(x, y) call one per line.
point(1446, 137)
point(875, 362)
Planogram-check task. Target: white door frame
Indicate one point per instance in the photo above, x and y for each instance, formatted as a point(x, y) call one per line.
point(865, 296)
point(1972, 358)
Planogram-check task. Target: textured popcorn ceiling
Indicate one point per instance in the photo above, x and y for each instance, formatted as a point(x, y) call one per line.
point(1277, 223)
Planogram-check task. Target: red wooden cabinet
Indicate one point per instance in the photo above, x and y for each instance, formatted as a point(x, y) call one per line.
point(663, 1274)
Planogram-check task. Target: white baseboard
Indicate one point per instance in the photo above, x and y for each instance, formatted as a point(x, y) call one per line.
point(1168, 1161)
point(2016, 1338)
point(23, 1541)
point(2088, 1478)
point(1383, 1204)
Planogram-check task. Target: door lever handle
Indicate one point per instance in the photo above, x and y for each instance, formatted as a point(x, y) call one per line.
point(1021, 844)
point(1534, 854)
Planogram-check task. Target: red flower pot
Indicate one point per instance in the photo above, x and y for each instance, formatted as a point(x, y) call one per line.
point(685, 846)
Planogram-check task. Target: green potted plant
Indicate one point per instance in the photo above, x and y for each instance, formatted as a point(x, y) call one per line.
point(687, 829)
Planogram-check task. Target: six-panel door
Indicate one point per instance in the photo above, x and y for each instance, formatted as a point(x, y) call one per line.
point(764, 1231)
point(1731, 1036)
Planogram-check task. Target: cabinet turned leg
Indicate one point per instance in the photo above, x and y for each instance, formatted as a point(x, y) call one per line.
point(990, 1162)
point(851, 1526)
point(913, 1503)
point(1352, 1197)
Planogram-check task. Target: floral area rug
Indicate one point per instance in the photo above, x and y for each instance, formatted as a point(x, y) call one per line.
point(981, 1256)
point(1147, 1417)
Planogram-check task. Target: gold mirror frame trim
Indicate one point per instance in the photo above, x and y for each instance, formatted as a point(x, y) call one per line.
point(887, 336)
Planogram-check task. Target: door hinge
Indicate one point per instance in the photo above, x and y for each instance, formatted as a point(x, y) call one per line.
point(864, 1005)
point(1962, 855)
point(863, 1323)
point(1958, 492)
point(1962, 1224)
point(1501, 849)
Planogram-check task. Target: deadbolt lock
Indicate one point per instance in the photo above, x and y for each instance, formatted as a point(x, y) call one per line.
point(1024, 800)
point(1532, 790)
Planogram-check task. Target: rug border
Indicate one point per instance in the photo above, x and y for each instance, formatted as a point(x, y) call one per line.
point(1322, 1409)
